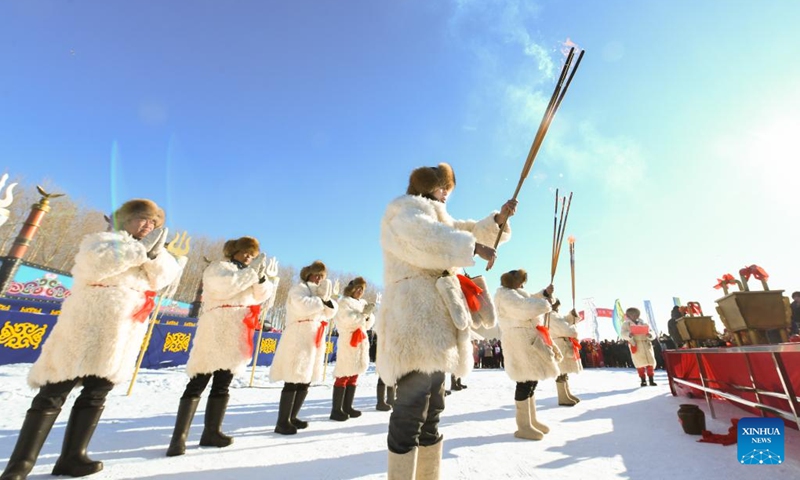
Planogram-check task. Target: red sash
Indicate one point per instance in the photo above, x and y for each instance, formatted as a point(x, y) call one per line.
point(471, 292)
point(146, 309)
point(250, 321)
point(357, 337)
point(320, 334)
point(546, 334)
point(576, 348)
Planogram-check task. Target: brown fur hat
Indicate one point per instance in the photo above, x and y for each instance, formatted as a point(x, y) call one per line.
point(244, 244)
point(424, 180)
point(138, 207)
point(353, 284)
point(514, 279)
point(314, 268)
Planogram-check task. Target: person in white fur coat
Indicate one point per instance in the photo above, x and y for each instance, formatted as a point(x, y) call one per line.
point(352, 321)
point(300, 354)
point(529, 353)
point(97, 336)
point(564, 332)
point(233, 292)
point(644, 360)
point(419, 337)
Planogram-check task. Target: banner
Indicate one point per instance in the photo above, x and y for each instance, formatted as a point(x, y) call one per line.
point(593, 326)
point(651, 318)
point(618, 316)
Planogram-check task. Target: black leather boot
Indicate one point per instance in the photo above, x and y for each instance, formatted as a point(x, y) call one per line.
point(212, 433)
point(32, 435)
point(298, 403)
point(338, 402)
point(186, 410)
point(73, 461)
point(349, 395)
point(382, 406)
point(284, 425)
point(652, 383)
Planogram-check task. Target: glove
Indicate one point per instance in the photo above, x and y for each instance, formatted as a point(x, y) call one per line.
point(369, 308)
point(153, 242)
point(259, 264)
point(325, 290)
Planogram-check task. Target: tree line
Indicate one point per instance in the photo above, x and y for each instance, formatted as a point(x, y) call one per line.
point(57, 241)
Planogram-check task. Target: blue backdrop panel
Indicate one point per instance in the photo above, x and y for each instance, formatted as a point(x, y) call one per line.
point(22, 334)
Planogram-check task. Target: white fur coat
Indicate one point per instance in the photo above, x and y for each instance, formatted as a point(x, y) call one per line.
point(95, 333)
point(644, 355)
point(297, 358)
point(416, 333)
point(352, 360)
point(562, 328)
point(526, 355)
point(222, 340)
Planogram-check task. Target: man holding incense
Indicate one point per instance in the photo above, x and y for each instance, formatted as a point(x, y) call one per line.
point(424, 329)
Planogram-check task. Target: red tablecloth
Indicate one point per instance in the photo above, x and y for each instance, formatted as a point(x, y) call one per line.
point(726, 368)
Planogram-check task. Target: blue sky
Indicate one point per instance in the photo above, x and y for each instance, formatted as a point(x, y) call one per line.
point(297, 122)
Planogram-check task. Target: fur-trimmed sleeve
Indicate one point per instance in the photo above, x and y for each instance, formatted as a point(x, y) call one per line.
point(560, 327)
point(522, 307)
point(107, 254)
point(486, 230)
point(420, 239)
point(162, 270)
point(304, 304)
point(625, 331)
point(263, 291)
point(224, 280)
point(351, 315)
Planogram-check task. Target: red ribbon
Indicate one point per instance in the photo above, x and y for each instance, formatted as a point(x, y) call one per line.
point(357, 337)
point(576, 348)
point(320, 334)
point(471, 292)
point(546, 334)
point(726, 279)
point(146, 309)
point(251, 322)
point(755, 271)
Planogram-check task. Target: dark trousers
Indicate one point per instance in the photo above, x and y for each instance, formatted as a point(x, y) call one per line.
point(525, 390)
point(219, 387)
point(53, 395)
point(415, 413)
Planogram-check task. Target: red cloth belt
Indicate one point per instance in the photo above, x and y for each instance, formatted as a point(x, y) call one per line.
point(471, 292)
point(576, 348)
point(145, 310)
point(357, 337)
point(320, 334)
point(250, 321)
point(546, 334)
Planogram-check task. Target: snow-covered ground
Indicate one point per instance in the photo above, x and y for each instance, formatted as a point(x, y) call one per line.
point(619, 430)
